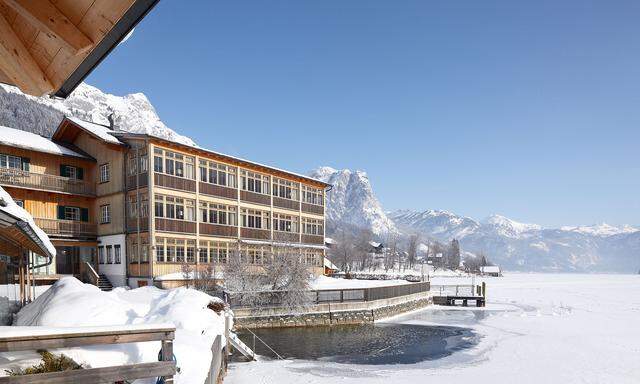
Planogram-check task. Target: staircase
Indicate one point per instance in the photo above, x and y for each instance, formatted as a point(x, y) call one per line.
point(241, 347)
point(103, 283)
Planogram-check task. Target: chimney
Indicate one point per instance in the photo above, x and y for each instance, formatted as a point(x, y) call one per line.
point(112, 125)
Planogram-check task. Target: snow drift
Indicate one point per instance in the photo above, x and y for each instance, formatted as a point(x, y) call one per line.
point(70, 303)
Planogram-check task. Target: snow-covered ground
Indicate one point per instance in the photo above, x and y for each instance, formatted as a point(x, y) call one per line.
point(324, 282)
point(553, 328)
point(72, 304)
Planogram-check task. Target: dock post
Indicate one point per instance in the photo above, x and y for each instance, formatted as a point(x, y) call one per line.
point(484, 293)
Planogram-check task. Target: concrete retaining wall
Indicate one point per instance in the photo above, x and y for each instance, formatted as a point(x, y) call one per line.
point(331, 313)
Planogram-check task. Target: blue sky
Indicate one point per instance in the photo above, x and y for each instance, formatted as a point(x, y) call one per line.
point(530, 110)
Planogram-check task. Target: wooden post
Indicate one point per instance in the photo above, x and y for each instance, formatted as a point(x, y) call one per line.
point(227, 322)
point(167, 355)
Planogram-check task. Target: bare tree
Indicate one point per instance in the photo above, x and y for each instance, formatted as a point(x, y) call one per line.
point(390, 251)
point(186, 270)
point(342, 253)
point(412, 249)
point(363, 249)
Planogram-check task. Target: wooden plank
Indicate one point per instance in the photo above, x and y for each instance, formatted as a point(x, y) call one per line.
point(9, 344)
point(97, 375)
point(18, 64)
point(46, 17)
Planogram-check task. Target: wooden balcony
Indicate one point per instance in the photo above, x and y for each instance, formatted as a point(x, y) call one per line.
point(253, 197)
point(218, 230)
point(312, 208)
point(66, 228)
point(139, 270)
point(286, 237)
point(172, 182)
point(132, 224)
point(313, 239)
point(286, 203)
point(170, 225)
point(45, 182)
point(252, 233)
point(143, 181)
point(218, 190)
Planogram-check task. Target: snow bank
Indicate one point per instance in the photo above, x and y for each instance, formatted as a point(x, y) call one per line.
point(70, 303)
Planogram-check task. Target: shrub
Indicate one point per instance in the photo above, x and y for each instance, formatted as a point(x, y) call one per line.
point(50, 363)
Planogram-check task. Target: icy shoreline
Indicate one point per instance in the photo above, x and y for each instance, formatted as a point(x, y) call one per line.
point(565, 328)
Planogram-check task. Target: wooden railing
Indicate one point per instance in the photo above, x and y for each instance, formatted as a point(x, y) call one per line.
point(88, 274)
point(311, 208)
point(253, 197)
point(312, 239)
point(218, 190)
point(173, 182)
point(132, 224)
point(18, 178)
point(274, 298)
point(36, 338)
point(252, 233)
point(170, 225)
point(143, 181)
point(286, 237)
point(66, 228)
point(286, 203)
point(218, 230)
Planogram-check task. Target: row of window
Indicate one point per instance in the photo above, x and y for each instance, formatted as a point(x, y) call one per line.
point(109, 254)
point(170, 250)
point(179, 165)
point(183, 209)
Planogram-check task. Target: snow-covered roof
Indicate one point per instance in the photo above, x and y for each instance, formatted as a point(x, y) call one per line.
point(27, 140)
point(278, 244)
point(329, 264)
point(328, 240)
point(25, 222)
point(490, 269)
point(374, 244)
point(100, 131)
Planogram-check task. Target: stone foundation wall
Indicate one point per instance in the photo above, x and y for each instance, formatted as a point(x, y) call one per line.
point(320, 318)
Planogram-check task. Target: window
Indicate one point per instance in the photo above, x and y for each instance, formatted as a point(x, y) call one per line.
point(71, 172)
point(285, 223)
point(20, 203)
point(216, 173)
point(141, 255)
point(254, 254)
point(8, 161)
point(175, 208)
point(105, 214)
point(217, 214)
point(214, 252)
point(72, 213)
point(105, 174)
point(313, 257)
point(285, 189)
point(142, 209)
point(117, 255)
point(171, 250)
point(252, 218)
point(254, 182)
point(175, 164)
point(101, 255)
point(133, 166)
point(312, 195)
point(312, 226)
point(109, 254)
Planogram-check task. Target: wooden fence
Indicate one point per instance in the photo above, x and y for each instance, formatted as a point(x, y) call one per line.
point(274, 298)
point(34, 340)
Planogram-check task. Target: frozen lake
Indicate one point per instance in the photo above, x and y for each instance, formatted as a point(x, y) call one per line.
point(536, 328)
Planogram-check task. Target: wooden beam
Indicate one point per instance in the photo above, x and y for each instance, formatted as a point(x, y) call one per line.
point(18, 64)
point(47, 18)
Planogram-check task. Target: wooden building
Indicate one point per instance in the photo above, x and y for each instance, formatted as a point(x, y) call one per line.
point(143, 206)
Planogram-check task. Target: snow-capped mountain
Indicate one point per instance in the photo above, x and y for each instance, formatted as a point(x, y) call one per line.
point(131, 113)
point(519, 246)
point(351, 201)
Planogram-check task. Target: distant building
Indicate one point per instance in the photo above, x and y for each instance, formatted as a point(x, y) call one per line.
point(490, 270)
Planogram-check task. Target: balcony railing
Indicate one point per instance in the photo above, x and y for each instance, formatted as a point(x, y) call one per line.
point(312, 239)
point(18, 178)
point(312, 208)
point(66, 228)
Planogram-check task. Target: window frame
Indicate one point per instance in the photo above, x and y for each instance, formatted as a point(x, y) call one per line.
point(105, 214)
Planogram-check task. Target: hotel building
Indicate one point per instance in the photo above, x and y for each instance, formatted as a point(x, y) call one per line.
point(134, 207)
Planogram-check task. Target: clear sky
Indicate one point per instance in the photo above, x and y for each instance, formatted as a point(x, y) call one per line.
point(526, 109)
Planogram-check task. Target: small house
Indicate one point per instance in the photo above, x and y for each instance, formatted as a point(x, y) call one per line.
point(490, 270)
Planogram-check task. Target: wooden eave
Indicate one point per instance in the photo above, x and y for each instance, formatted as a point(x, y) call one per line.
point(68, 131)
point(47, 47)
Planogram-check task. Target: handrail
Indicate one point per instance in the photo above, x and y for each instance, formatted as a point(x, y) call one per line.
point(262, 341)
point(40, 338)
point(44, 181)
